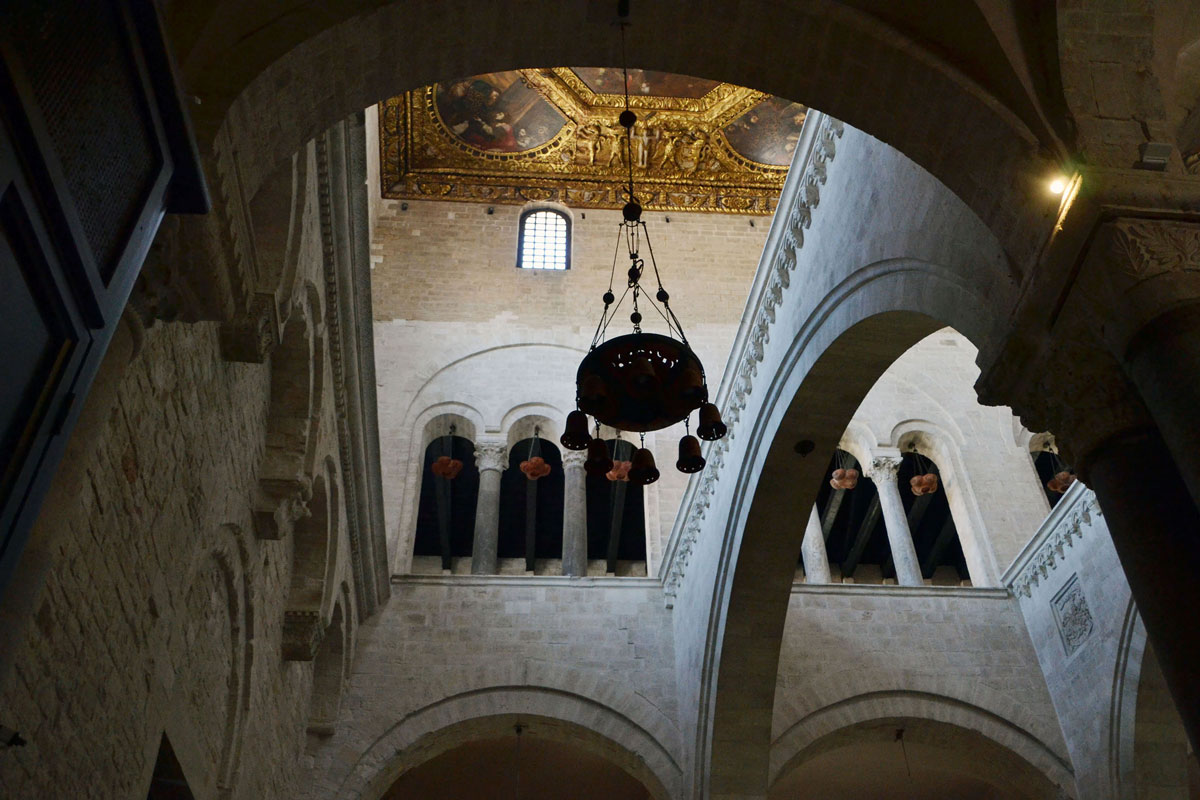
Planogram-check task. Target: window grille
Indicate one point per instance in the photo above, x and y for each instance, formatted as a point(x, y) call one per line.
point(545, 240)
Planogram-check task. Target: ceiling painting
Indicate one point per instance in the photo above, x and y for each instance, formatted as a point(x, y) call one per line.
point(552, 134)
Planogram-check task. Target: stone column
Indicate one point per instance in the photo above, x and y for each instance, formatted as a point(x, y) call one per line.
point(1155, 530)
point(574, 551)
point(491, 457)
point(816, 561)
point(883, 472)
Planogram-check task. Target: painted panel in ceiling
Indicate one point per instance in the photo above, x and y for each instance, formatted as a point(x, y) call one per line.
point(552, 134)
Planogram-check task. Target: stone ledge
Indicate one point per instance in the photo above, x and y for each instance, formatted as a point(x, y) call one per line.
point(906, 591)
point(525, 580)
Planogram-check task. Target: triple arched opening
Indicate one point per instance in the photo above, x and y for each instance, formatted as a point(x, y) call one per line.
point(531, 509)
point(854, 528)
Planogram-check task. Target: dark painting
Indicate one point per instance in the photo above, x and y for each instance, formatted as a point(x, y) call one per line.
point(768, 133)
point(497, 112)
point(603, 80)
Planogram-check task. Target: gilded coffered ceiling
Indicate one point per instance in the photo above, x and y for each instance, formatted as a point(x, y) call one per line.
point(552, 134)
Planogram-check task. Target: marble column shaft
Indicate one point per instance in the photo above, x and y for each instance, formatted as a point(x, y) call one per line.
point(574, 554)
point(883, 472)
point(812, 550)
point(491, 458)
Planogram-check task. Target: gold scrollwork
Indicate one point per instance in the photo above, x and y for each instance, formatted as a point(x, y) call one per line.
point(681, 157)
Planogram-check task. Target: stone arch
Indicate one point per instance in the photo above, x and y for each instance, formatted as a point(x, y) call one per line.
point(224, 567)
point(457, 718)
point(520, 422)
point(271, 69)
point(945, 449)
point(285, 476)
point(276, 221)
point(1012, 757)
point(314, 556)
point(466, 421)
point(1123, 711)
point(331, 669)
point(855, 332)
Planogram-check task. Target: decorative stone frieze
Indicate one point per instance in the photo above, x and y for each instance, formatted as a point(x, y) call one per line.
point(1046, 550)
point(1146, 248)
point(750, 348)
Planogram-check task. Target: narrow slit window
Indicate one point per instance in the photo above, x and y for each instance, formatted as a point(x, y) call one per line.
point(545, 240)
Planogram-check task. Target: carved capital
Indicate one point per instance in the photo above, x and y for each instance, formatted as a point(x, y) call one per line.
point(491, 455)
point(279, 504)
point(1075, 389)
point(302, 634)
point(574, 459)
point(252, 336)
point(884, 468)
point(1144, 248)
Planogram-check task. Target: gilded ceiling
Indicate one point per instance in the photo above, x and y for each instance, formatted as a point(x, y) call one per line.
point(552, 134)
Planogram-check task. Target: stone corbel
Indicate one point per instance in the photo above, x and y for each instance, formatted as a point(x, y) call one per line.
point(251, 337)
point(279, 504)
point(302, 634)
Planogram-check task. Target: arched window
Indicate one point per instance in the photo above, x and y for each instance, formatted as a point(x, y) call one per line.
point(446, 508)
point(545, 241)
point(616, 517)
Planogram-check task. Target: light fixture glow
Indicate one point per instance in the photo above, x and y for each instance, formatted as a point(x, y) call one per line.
point(1057, 186)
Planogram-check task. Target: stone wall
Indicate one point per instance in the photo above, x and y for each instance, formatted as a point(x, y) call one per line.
point(592, 652)
point(459, 329)
point(195, 555)
point(926, 400)
point(851, 654)
point(1091, 647)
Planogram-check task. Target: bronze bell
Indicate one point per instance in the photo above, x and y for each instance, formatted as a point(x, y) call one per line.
point(576, 436)
point(690, 459)
point(643, 379)
point(691, 386)
point(594, 394)
point(711, 427)
point(642, 470)
point(598, 462)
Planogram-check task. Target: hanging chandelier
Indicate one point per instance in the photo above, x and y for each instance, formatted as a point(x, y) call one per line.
point(639, 381)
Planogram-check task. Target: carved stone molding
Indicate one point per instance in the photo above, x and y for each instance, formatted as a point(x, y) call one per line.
point(491, 455)
point(753, 346)
point(1145, 248)
point(302, 632)
point(1055, 540)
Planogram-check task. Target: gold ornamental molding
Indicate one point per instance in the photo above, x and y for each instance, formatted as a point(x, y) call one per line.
point(552, 135)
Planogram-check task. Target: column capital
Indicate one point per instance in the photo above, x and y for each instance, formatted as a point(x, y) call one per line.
point(574, 459)
point(491, 455)
point(884, 468)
